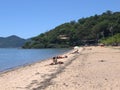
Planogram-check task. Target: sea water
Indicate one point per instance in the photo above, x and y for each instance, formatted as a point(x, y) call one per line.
point(14, 57)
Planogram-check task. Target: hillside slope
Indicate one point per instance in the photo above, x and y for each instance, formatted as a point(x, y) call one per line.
point(11, 42)
point(88, 30)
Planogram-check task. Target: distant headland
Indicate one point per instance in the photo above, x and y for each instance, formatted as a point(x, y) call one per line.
point(12, 41)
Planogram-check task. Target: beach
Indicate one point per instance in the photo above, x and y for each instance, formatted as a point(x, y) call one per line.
point(91, 68)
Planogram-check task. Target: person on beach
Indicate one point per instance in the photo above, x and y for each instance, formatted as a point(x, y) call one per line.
point(54, 60)
point(61, 57)
point(76, 51)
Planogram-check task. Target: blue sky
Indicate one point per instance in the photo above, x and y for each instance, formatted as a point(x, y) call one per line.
point(28, 18)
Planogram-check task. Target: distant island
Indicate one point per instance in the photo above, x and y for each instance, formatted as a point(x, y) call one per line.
point(11, 42)
point(104, 28)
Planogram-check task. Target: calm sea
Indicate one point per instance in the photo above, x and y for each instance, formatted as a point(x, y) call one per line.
point(11, 58)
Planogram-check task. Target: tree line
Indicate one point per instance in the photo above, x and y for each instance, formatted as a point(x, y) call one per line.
point(91, 30)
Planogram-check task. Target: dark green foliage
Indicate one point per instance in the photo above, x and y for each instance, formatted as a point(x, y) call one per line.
point(88, 30)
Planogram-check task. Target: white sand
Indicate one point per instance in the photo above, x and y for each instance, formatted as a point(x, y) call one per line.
point(95, 68)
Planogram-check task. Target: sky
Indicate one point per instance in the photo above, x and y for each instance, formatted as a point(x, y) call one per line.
point(29, 18)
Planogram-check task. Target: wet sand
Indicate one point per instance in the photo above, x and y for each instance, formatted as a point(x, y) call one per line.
point(93, 68)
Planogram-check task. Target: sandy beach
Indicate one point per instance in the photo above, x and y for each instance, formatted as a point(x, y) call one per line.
point(93, 68)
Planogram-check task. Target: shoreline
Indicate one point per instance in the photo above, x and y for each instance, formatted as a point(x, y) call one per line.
point(93, 68)
point(22, 66)
point(27, 77)
point(23, 77)
point(29, 64)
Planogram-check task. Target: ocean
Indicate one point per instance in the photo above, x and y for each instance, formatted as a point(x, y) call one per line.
point(14, 57)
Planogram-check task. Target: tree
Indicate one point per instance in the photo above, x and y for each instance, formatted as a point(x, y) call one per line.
point(92, 28)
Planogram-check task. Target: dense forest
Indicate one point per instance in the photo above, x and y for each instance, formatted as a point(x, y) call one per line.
point(91, 30)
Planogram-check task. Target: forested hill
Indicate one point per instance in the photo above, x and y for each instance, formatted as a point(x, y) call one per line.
point(11, 42)
point(88, 30)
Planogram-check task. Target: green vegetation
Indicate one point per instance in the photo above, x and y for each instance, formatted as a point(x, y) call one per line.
point(114, 40)
point(88, 30)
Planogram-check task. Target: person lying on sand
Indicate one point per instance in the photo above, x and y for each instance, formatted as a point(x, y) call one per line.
point(60, 57)
point(55, 60)
point(76, 51)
